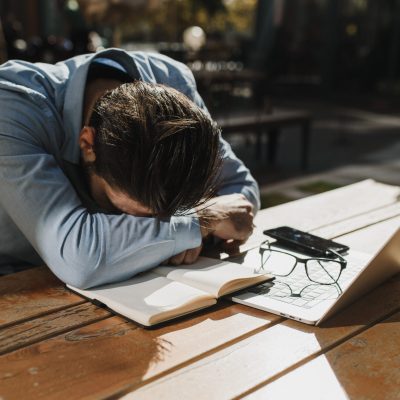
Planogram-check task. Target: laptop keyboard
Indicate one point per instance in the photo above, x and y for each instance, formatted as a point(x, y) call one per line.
point(296, 289)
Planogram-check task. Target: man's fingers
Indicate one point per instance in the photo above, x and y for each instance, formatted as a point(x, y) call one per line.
point(248, 206)
point(243, 222)
point(192, 255)
point(186, 257)
point(232, 246)
point(232, 216)
point(243, 202)
point(244, 235)
point(177, 259)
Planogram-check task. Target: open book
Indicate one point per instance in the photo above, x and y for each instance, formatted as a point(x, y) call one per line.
point(167, 292)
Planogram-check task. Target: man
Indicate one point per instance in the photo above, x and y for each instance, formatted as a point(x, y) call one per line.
point(110, 165)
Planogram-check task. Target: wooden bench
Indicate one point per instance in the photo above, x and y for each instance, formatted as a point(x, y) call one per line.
point(262, 123)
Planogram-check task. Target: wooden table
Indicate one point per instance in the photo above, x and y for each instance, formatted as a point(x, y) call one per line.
point(56, 345)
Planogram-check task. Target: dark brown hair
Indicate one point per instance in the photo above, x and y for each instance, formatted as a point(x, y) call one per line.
point(157, 146)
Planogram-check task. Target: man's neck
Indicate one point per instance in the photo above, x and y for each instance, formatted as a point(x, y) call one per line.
point(93, 91)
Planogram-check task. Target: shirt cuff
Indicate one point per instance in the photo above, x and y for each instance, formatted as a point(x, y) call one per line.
point(185, 231)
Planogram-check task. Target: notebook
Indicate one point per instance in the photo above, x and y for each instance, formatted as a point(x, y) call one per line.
point(167, 292)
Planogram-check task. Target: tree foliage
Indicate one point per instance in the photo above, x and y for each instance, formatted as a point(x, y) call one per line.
point(165, 20)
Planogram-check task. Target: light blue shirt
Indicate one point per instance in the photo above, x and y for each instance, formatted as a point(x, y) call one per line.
point(42, 217)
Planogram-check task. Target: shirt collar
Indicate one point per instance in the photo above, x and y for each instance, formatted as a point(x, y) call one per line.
point(74, 95)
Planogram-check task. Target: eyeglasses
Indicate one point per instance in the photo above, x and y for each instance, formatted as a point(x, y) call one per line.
point(325, 271)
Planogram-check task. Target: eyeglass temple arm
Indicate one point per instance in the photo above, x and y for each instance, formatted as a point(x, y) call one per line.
point(337, 255)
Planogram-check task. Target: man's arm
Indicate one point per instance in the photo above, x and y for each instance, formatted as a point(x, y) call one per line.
point(82, 249)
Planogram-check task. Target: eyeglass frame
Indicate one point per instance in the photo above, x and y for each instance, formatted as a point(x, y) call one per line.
point(342, 261)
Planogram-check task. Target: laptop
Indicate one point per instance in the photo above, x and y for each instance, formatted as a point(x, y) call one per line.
point(296, 297)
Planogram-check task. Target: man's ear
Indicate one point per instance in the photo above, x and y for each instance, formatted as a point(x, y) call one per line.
point(86, 142)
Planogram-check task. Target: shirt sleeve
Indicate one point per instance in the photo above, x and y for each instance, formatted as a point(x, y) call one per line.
point(235, 176)
point(82, 249)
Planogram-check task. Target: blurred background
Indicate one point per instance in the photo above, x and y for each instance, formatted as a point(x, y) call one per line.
point(332, 64)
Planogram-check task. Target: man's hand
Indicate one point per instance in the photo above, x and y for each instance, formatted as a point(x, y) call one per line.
point(228, 217)
point(186, 257)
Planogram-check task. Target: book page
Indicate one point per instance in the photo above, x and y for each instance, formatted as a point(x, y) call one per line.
point(149, 298)
point(213, 276)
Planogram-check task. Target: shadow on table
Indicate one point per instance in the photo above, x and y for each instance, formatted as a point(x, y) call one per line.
point(352, 355)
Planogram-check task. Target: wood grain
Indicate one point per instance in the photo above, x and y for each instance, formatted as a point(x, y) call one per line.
point(26, 333)
point(329, 208)
point(31, 293)
point(102, 358)
point(365, 367)
point(371, 239)
point(260, 358)
point(227, 351)
point(331, 215)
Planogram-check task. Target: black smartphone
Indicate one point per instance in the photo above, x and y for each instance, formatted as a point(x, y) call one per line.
point(304, 242)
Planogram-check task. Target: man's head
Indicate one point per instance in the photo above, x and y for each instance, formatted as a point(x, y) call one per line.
point(151, 150)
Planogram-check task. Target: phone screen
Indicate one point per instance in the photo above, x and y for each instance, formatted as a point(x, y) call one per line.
point(299, 240)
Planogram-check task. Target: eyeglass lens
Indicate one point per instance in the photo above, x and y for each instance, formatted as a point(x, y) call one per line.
point(318, 270)
point(323, 271)
point(278, 263)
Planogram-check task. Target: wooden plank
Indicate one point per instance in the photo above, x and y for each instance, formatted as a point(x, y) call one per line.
point(371, 239)
point(31, 293)
point(359, 221)
point(332, 216)
point(325, 209)
point(262, 357)
point(365, 367)
point(100, 359)
point(32, 331)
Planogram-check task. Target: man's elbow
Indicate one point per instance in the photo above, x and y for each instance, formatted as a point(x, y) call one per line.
point(82, 279)
point(80, 272)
